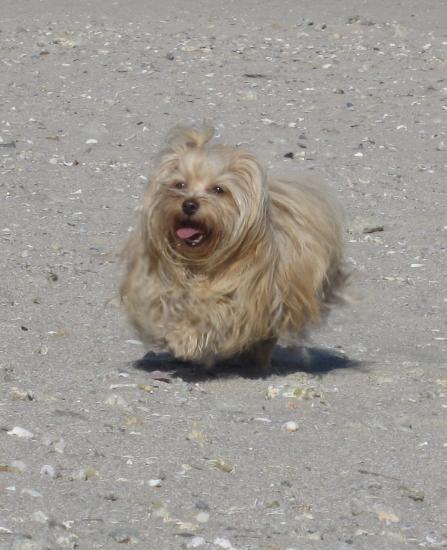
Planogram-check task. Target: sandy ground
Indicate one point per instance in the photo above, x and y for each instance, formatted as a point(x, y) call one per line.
point(95, 452)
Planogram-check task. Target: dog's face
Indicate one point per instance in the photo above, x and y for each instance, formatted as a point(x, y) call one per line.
point(204, 202)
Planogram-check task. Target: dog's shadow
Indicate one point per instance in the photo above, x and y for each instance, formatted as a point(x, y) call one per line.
point(316, 361)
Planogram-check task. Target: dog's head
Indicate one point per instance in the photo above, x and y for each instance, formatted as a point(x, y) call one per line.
point(205, 202)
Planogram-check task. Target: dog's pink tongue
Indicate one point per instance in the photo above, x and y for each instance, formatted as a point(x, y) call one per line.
point(188, 232)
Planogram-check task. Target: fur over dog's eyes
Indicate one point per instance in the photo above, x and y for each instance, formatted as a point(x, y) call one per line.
point(179, 185)
point(218, 190)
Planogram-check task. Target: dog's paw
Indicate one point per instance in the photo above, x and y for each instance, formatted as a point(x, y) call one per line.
point(188, 344)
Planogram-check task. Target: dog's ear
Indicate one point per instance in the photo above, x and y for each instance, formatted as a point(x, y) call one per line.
point(188, 137)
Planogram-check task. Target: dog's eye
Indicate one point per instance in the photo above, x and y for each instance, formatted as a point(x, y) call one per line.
point(179, 185)
point(218, 190)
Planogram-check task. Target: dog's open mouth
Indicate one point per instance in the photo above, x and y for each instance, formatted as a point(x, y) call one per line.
point(191, 234)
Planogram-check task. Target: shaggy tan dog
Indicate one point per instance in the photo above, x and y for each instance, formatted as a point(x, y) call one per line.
point(225, 260)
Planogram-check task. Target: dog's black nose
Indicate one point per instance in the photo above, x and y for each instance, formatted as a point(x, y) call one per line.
point(190, 207)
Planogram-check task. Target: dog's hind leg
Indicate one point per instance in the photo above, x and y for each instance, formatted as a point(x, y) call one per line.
point(257, 359)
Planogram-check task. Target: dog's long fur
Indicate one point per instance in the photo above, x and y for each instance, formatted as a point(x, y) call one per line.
point(270, 264)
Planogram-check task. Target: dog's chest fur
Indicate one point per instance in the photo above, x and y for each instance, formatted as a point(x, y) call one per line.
point(194, 319)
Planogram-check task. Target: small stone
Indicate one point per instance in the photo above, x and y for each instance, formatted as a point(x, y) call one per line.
point(90, 473)
point(414, 494)
point(86, 474)
point(21, 432)
point(68, 542)
point(387, 516)
point(185, 526)
point(48, 470)
point(299, 155)
point(271, 392)
point(42, 350)
point(224, 466)
point(91, 141)
point(301, 392)
point(40, 517)
point(154, 483)
point(195, 542)
point(117, 400)
point(20, 395)
point(221, 542)
point(249, 96)
point(202, 517)
point(159, 510)
point(289, 426)
point(125, 535)
point(365, 226)
point(197, 436)
point(146, 388)
point(59, 445)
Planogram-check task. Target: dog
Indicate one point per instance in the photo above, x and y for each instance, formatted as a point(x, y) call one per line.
point(225, 261)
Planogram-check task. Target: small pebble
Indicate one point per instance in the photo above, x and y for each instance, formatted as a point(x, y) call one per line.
point(21, 432)
point(20, 395)
point(271, 392)
point(117, 400)
point(202, 517)
point(154, 483)
point(125, 535)
point(387, 516)
point(159, 510)
point(221, 542)
point(68, 542)
point(414, 494)
point(195, 542)
point(365, 225)
point(59, 445)
point(289, 426)
point(40, 517)
point(86, 474)
point(48, 470)
point(224, 466)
